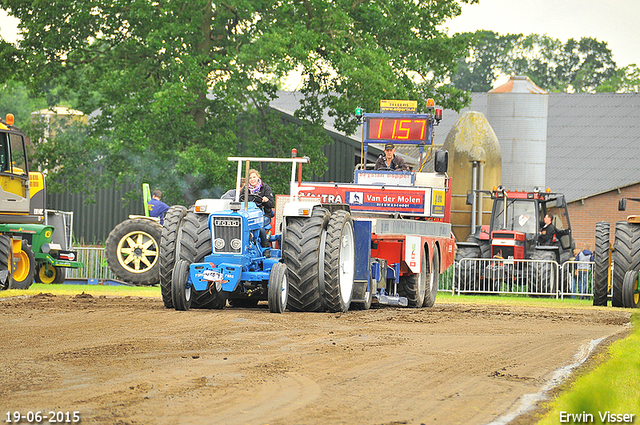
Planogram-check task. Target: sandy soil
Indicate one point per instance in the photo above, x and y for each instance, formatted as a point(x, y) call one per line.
point(131, 361)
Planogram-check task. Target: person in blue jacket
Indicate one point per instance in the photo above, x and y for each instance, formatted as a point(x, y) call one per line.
point(157, 208)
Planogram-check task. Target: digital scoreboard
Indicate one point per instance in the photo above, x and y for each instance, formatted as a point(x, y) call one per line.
point(399, 129)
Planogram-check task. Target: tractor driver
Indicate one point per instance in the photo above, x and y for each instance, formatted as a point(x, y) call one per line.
point(390, 161)
point(262, 195)
point(547, 232)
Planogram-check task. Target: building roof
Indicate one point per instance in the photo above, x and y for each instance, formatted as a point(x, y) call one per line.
point(593, 140)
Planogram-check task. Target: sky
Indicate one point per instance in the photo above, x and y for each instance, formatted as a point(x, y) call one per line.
point(612, 21)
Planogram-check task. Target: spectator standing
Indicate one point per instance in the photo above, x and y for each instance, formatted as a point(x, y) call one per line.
point(581, 274)
point(157, 208)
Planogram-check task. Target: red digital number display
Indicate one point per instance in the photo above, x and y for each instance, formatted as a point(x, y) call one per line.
point(398, 129)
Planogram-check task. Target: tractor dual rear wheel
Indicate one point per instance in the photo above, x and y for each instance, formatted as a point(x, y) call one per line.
point(625, 256)
point(168, 253)
point(132, 250)
point(601, 265)
point(339, 262)
point(302, 254)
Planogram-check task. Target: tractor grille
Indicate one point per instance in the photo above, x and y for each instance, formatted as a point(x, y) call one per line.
point(498, 251)
point(225, 231)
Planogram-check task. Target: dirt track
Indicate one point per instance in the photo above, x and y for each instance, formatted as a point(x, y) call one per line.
point(131, 361)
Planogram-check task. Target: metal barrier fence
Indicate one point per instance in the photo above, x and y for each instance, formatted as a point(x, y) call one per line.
point(578, 279)
point(470, 275)
point(94, 264)
point(524, 277)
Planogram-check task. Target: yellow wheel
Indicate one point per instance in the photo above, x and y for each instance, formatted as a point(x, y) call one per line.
point(46, 273)
point(132, 251)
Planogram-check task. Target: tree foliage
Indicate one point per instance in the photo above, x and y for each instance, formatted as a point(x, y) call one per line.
point(574, 66)
point(176, 87)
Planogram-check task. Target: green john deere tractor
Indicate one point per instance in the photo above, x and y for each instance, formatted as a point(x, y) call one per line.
point(27, 248)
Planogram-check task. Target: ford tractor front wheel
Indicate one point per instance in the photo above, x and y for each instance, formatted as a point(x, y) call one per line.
point(278, 292)
point(180, 288)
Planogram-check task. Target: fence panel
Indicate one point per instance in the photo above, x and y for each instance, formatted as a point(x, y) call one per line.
point(498, 276)
point(577, 279)
point(94, 264)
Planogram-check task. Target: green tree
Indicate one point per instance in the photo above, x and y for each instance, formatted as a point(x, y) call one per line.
point(181, 85)
point(574, 66)
point(488, 56)
point(625, 80)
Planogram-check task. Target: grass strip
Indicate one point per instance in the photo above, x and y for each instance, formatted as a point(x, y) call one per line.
point(64, 289)
point(611, 388)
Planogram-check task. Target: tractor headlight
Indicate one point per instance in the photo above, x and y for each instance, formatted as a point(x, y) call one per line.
point(236, 243)
point(219, 243)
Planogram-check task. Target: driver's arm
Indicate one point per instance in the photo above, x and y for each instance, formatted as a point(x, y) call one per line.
point(268, 193)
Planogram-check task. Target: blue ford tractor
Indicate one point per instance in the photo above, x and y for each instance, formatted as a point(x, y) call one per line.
point(219, 250)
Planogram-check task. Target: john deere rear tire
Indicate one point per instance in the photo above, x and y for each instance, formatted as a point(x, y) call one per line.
point(339, 262)
point(625, 256)
point(5, 261)
point(172, 221)
point(601, 265)
point(23, 273)
point(301, 253)
point(132, 250)
point(195, 243)
point(630, 290)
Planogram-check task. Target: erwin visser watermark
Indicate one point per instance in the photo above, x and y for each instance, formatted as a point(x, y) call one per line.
point(605, 417)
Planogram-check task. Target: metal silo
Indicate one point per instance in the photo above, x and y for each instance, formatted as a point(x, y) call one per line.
point(474, 163)
point(517, 111)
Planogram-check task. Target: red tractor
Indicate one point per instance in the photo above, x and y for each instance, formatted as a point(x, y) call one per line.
point(514, 234)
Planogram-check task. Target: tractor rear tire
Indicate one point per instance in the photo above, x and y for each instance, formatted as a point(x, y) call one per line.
point(433, 280)
point(544, 274)
point(195, 243)
point(172, 220)
point(470, 274)
point(301, 249)
point(413, 287)
point(5, 261)
point(339, 262)
point(23, 275)
point(278, 291)
point(132, 250)
point(601, 265)
point(630, 290)
point(626, 256)
point(181, 292)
